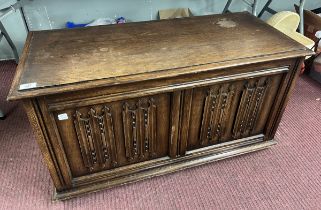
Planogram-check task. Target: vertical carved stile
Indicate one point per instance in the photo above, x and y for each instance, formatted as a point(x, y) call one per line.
point(216, 114)
point(134, 132)
point(225, 106)
point(175, 117)
point(147, 138)
point(127, 133)
point(140, 129)
point(111, 135)
point(85, 138)
point(257, 104)
point(150, 143)
point(185, 120)
point(99, 127)
point(180, 123)
point(214, 127)
point(104, 124)
point(242, 110)
point(244, 117)
point(90, 138)
point(209, 106)
point(96, 139)
point(249, 109)
point(81, 140)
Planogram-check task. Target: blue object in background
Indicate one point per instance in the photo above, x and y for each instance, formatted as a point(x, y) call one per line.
point(120, 20)
point(73, 25)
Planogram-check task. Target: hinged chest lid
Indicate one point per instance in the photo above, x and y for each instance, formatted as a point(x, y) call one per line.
point(66, 60)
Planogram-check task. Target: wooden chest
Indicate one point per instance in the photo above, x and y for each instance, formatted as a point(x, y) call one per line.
point(116, 104)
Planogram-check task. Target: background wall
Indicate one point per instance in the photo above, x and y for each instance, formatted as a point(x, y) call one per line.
point(48, 14)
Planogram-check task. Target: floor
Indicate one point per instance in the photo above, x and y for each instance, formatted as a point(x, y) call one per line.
point(287, 176)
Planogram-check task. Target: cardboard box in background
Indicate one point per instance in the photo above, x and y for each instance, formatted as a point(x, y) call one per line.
point(312, 24)
point(174, 13)
point(315, 71)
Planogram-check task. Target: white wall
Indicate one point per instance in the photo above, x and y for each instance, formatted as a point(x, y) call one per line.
point(16, 29)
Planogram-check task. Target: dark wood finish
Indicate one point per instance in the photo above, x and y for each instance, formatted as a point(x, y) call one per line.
point(111, 55)
point(116, 104)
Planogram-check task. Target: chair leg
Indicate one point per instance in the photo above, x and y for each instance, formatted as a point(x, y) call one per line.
point(228, 4)
point(2, 115)
point(253, 5)
point(10, 42)
point(254, 8)
point(301, 27)
point(267, 8)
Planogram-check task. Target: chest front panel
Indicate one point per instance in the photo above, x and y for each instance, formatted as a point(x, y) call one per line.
point(129, 131)
point(110, 135)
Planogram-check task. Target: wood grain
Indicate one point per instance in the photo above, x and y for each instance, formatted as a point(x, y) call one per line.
point(126, 53)
point(118, 104)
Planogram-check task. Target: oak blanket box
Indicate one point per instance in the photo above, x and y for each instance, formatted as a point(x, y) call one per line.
point(115, 104)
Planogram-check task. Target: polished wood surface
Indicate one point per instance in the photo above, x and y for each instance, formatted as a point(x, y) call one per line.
point(102, 123)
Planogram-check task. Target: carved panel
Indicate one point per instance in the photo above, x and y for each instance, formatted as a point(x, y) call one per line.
point(96, 139)
point(216, 113)
point(106, 135)
point(249, 108)
point(139, 121)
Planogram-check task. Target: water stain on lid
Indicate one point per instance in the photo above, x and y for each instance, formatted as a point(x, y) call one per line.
point(226, 23)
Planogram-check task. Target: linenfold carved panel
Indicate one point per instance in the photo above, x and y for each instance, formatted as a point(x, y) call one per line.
point(217, 110)
point(139, 122)
point(249, 108)
point(96, 138)
point(216, 113)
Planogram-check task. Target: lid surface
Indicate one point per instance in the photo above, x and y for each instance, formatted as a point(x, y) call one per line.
point(64, 60)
